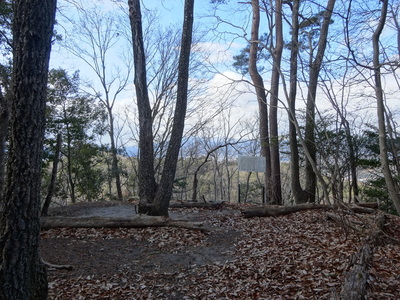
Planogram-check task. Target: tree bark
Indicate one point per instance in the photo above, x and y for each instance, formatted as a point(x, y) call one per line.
point(261, 97)
point(4, 118)
point(390, 183)
point(315, 67)
point(22, 275)
point(164, 191)
point(4, 115)
point(355, 281)
point(146, 175)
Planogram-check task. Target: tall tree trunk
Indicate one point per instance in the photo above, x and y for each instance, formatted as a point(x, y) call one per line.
point(147, 183)
point(22, 275)
point(261, 96)
point(315, 67)
point(390, 183)
point(273, 111)
point(298, 193)
point(164, 191)
point(53, 179)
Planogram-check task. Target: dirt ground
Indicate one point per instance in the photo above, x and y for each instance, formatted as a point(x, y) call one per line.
point(90, 254)
point(304, 255)
point(96, 253)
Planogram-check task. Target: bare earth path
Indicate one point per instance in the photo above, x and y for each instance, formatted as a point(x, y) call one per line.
point(300, 256)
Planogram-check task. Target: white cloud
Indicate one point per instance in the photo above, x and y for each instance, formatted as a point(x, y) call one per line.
point(217, 53)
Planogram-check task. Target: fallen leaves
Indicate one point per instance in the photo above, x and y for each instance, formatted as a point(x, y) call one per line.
point(299, 256)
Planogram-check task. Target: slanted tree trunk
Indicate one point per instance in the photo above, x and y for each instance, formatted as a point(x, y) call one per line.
point(261, 96)
point(22, 275)
point(53, 179)
point(380, 104)
point(195, 179)
point(164, 191)
point(315, 67)
point(390, 183)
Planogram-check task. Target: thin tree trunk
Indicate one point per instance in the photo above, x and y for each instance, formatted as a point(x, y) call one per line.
point(261, 97)
point(390, 183)
point(115, 168)
point(315, 67)
point(246, 192)
point(353, 162)
point(273, 111)
point(71, 182)
point(195, 179)
point(53, 179)
point(297, 191)
point(22, 275)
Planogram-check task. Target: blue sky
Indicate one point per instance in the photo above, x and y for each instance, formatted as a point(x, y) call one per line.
point(217, 47)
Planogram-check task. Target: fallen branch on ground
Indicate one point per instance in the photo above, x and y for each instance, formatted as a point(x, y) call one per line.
point(58, 267)
point(277, 210)
point(355, 280)
point(138, 221)
point(212, 205)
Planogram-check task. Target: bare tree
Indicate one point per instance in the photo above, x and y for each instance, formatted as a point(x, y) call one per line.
point(390, 183)
point(314, 70)
point(94, 37)
point(22, 275)
point(154, 199)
